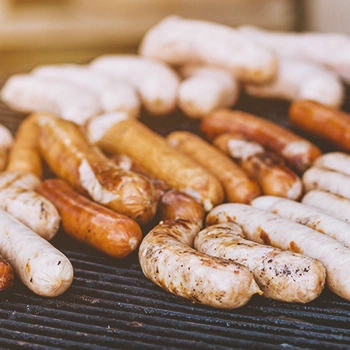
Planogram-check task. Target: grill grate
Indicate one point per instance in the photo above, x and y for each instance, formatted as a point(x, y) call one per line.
point(112, 305)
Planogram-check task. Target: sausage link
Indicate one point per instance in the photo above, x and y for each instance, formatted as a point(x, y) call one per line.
point(114, 234)
point(267, 228)
point(267, 168)
point(6, 275)
point(85, 167)
point(237, 185)
point(6, 141)
point(167, 259)
point(281, 275)
point(24, 155)
point(160, 160)
point(328, 123)
point(39, 265)
point(298, 152)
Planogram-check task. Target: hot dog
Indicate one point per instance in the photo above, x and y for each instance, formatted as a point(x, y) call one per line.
point(84, 166)
point(40, 266)
point(24, 155)
point(19, 179)
point(329, 203)
point(237, 185)
point(158, 158)
point(114, 234)
point(167, 259)
point(267, 168)
point(325, 122)
point(6, 141)
point(6, 275)
point(298, 152)
point(306, 215)
point(280, 275)
point(267, 228)
point(327, 180)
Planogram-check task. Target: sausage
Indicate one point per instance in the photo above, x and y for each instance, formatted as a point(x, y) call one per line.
point(206, 88)
point(73, 159)
point(155, 81)
point(113, 234)
point(327, 180)
point(328, 123)
point(172, 204)
point(267, 168)
point(113, 94)
point(306, 215)
point(29, 93)
point(298, 152)
point(336, 161)
point(167, 259)
point(178, 205)
point(179, 41)
point(40, 266)
point(24, 155)
point(31, 209)
point(331, 50)
point(19, 179)
point(6, 141)
point(297, 79)
point(281, 275)
point(267, 228)
point(329, 203)
point(237, 185)
point(6, 275)
point(158, 158)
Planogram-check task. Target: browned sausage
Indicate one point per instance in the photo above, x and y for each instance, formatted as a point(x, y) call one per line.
point(87, 169)
point(6, 275)
point(239, 188)
point(160, 160)
point(267, 168)
point(25, 155)
point(298, 152)
point(113, 234)
point(329, 123)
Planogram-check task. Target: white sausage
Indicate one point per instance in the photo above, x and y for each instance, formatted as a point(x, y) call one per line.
point(179, 41)
point(156, 82)
point(167, 259)
point(306, 215)
point(206, 88)
point(29, 93)
point(302, 80)
point(31, 209)
point(329, 203)
point(281, 275)
point(40, 266)
point(337, 161)
point(20, 179)
point(113, 94)
point(266, 228)
point(327, 180)
point(329, 49)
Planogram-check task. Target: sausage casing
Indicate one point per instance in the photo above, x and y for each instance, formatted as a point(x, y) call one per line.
point(281, 275)
point(85, 167)
point(167, 259)
point(298, 152)
point(114, 234)
point(6, 275)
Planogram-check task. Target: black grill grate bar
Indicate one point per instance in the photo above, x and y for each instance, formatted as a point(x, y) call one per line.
point(83, 316)
point(161, 321)
point(16, 344)
point(166, 334)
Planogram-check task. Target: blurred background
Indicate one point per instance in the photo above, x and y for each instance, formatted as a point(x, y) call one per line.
point(34, 32)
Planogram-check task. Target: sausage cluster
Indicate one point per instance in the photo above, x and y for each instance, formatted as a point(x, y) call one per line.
point(223, 205)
